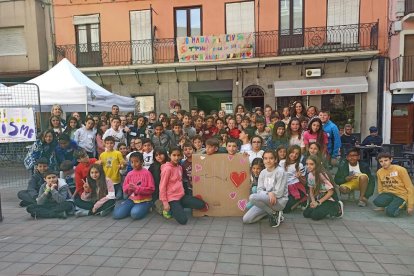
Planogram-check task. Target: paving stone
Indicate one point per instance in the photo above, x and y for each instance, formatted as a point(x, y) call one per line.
point(156, 264)
point(370, 267)
point(137, 263)
point(273, 261)
point(248, 269)
point(16, 268)
point(345, 266)
point(186, 255)
point(176, 273)
point(181, 265)
point(94, 260)
point(207, 267)
point(38, 269)
point(397, 269)
point(84, 270)
point(274, 270)
point(227, 268)
point(115, 262)
point(293, 271)
point(60, 269)
point(148, 272)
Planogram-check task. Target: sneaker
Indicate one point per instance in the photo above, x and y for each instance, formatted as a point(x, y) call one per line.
point(166, 214)
point(341, 210)
point(274, 219)
point(105, 212)
point(82, 213)
point(362, 203)
point(62, 215)
point(159, 208)
point(282, 217)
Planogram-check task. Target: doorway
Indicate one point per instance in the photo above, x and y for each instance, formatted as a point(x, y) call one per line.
point(291, 25)
point(209, 101)
point(253, 97)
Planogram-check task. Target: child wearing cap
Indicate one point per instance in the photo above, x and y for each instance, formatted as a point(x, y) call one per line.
point(52, 199)
point(29, 195)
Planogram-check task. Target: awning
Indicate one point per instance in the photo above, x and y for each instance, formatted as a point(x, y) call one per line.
point(313, 87)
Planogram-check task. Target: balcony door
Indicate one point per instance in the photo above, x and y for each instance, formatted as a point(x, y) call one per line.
point(408, 60)
point(291, 24)
point(88, 46)
point(141, 36)
point(187, 22)
point(343, 22)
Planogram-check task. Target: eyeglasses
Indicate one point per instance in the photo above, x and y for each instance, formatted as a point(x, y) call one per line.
point(256, 142)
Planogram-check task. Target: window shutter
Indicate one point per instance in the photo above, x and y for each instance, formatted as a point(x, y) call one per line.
point(343, 12)
point(247, 17)
point(141, 47)
point(12, 41)
point(232, 18)
point(240, 17)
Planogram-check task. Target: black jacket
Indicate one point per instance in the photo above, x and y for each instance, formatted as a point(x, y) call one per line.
point(343, 171)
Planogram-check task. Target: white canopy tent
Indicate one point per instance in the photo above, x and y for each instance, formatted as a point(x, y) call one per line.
point(67, 86)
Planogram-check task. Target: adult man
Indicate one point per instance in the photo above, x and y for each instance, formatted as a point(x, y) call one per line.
point(115, 110)
point(355, 175)
point(334, 139)
point(348, 138)
point(373, 138)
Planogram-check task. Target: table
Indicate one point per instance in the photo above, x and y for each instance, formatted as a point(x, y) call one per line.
point(410, 155)
point(369, 150)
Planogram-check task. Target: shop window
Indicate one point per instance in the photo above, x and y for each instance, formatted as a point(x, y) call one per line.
point(282, 102)
point(341, 107)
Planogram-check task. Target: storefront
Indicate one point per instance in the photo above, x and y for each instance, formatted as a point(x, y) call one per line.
point(341, 96)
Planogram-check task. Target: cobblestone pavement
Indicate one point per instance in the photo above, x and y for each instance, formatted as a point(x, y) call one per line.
point(362, 243)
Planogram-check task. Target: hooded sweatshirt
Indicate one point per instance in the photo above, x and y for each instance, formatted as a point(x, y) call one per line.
point(58, 195)
point(171, 184)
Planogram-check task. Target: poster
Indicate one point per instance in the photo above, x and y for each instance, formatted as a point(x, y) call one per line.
point(17, 125)
point(223, 181)
point(216, 47)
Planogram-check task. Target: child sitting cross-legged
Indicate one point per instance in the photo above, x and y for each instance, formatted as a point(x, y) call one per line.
point(98, 196)
point(29, 196)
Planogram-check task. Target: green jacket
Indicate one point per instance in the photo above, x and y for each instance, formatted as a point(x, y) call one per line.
point(343, 171)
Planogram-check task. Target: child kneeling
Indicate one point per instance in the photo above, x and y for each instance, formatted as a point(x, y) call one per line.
point(52, 200)
point(321, 192)
point(138, 186)
point(272, 193)
point(172, 193)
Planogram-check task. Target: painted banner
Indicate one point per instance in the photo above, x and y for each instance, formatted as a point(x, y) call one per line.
point(17, 125)
point(215, 47)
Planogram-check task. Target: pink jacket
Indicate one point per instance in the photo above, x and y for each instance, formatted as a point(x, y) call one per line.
point(143, 184)
point(111, 195)
point(171, 183)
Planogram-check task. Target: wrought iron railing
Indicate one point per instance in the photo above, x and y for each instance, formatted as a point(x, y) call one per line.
point(409, 7)
point(403, 69)
point(316, 40)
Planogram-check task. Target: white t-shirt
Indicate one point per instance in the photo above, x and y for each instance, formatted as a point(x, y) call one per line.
point(294, 140)
point(354, 169)
point(291, 172)
point(245, 148)
point(253, 155)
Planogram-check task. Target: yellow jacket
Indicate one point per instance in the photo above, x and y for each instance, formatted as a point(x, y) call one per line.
point(395, 180)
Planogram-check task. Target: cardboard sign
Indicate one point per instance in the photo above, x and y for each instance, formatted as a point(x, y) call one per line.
point(223, 181)
point(17, 125)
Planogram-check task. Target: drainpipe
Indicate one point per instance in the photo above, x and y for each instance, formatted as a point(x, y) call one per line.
point(380, 97)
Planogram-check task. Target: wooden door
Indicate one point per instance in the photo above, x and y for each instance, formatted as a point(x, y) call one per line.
point(408, 61)
point(291, 25)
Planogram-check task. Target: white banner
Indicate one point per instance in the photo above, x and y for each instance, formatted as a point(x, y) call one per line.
point(17, 125)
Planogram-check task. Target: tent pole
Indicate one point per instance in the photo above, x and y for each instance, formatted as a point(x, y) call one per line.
point(86, 102)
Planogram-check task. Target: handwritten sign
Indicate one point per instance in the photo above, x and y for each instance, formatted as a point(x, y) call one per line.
point(304, 92)
point(223, 181)
point(213, 48)
point(17, 125)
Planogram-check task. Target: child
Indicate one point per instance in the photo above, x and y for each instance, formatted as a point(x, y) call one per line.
point(272, 193)
point(212, 146)
point(198, 125)
point(100, 130)
point(295, 178)
point(255, 169)
point(256, 151)
point(278, 136)
point(321, 192)
point(43, 147)
point(198, 144)
point(160, 157)
point(315, 133)
point(294, 133)
point(139, 186)
point(122, 148)
point(112, 161)
point(71, 128)
point(231, 147)
point(187, 168)
point(395, 189)
point(245, 136)
point(159, 138)
point(281, 153)
point(233, 131)
point(98, 195)
point(29, 195)
point(65, 149)
point(188, 130)
point(286, 115)
point(147, 152)
point(67, 173)
point(118, 135)
point(209, 130)
point(85, 137)
point(175, 133)
point(82, 170)
point(55, 126)
point(172, 194)
point(223, 137)
point(262, 130)
point(219, 125)
point(51, 201)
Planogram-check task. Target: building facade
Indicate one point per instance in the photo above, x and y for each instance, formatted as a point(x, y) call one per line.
point(400, 95)
point(216, 54)
point(26, 46)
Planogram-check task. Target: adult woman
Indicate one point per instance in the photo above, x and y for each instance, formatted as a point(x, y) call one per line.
point(239, 109)
point(298, 110)
point(43, 147)
point(58, 111)
point(256, 151)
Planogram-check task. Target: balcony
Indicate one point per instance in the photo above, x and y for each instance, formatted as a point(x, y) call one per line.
point(315, 40)
point(409, 7)
point(403, 69)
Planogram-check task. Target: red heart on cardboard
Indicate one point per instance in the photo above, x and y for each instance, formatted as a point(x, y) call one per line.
point(238, 178)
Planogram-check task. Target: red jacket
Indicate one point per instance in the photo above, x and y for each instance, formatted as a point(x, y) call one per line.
point(234, 133)
point(81, 173)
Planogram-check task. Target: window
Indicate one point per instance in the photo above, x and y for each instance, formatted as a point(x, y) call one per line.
point(144, 104)
point(291, 17)
point(188, 22)
point(88, 46)
point(12, 41)
point(343, 12)
point(141, 44)
point(240, 17)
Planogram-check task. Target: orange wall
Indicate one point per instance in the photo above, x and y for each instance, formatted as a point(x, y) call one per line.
point(114, 16)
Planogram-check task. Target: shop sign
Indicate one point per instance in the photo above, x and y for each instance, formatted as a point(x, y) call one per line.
point(216, 47)
point(307, 92)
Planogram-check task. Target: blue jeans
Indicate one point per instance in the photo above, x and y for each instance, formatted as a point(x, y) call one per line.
point(390, 202)
point(129, 208)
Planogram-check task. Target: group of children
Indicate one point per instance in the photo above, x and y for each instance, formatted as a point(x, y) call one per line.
point(146, 166)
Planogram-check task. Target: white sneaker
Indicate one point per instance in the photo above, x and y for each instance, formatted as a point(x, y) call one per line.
point(82, 213)
point(341, 208)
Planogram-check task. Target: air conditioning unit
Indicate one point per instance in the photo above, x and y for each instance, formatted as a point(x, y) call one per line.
point(313, 73)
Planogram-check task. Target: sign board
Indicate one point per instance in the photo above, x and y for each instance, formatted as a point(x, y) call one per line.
point(17, 125)
point(223, 181)
point(216, 47)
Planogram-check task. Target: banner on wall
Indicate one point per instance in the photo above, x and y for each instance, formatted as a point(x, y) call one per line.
point(17, 125)
point(216, 47)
